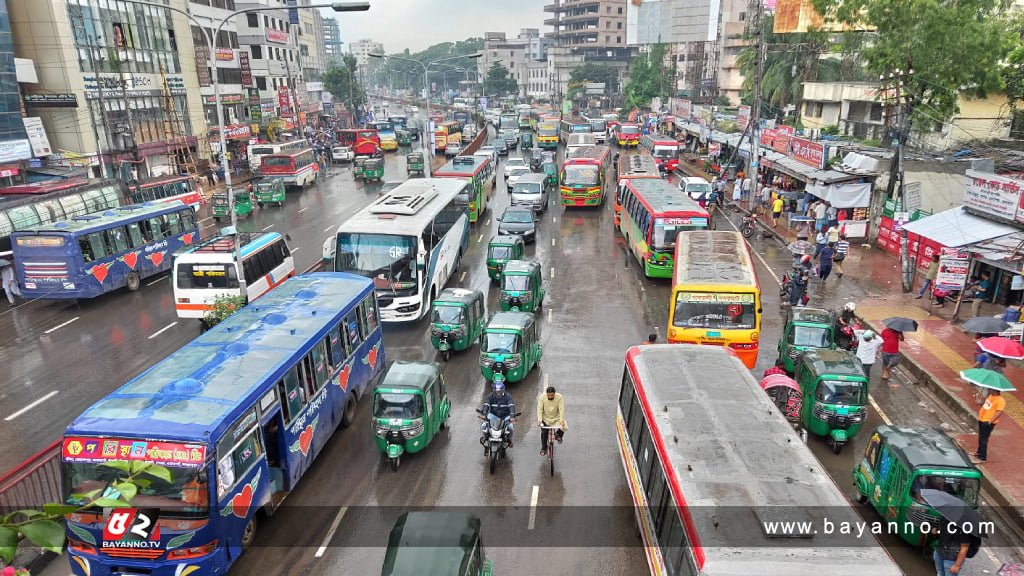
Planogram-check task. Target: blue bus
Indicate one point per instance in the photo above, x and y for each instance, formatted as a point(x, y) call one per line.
point(96, 253)
point(236, 417)
point(462, 117)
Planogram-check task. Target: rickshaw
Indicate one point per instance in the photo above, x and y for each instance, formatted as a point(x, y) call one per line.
point(243, 204)
point(550, 169)
point(536, 160)
point(436, 543)
point(457, 318)
point(410, 405)
point(373, 169)
point(358, 165)
point(785, 394)
point(414, 163)
point(901, 460)
point(269, 190)
point(525, 142)
point(500, 250)
point(414, 133)
point(509, 347)
point(403, 137)
point(522, 288)
point(805, 329)
point(836, 392)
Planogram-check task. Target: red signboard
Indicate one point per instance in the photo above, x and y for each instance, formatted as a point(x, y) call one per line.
point(98, 450)
point(776, 140)
point(277, 36)
point(284, 102)
point(235, 132)
point(225, 54)
point(807, 152)
point(243, 62)
point(743, 117)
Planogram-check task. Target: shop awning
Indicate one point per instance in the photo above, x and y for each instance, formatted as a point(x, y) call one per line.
point(843, 194)
point(833, 176)
point(795, 169)
point(955, 227)
point(1006, 252)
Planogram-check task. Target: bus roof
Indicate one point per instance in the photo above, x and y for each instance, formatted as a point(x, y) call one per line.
point(463, 166)
point(661, 139)
point(250, 242)
point(287, 153)
point(634, 165)
point(733, 463)
point(101, 220)
point(406, 210)
point(580, 155)
point(713, 257)
point(661, 198)
point(195, 393)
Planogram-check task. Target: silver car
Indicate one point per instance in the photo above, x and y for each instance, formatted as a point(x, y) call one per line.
point(531, 190)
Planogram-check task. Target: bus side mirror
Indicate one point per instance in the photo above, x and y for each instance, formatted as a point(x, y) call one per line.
point(202, 477)
point(758, 310)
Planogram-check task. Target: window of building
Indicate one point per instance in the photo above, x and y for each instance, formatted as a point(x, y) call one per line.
point(620, 10)
point(618, 25)
point(261, 82)
point(304, 50)
point(252, 20)
point(257, 51)
point(618, 39)
point(266, 22)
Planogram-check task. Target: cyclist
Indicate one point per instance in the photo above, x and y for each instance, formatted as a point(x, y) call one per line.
point(550, 412)
point(497, 407)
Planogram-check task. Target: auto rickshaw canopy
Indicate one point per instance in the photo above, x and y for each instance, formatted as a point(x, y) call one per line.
point(435, 543)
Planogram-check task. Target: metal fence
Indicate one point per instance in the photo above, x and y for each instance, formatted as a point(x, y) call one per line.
point(34, 482)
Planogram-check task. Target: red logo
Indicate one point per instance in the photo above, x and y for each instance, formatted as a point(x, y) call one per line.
point(131, 259)
point(344, 375)
point(241, 502)
point(371, 356)
point(187, 238)
point(99, 272)
point(156, 258)
point(126, 526)
point(305, 439)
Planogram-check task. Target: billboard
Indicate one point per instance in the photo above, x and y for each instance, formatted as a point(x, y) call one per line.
point(792, 16)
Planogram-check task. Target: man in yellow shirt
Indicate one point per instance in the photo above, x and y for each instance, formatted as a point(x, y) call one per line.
point(777, 210)
point(550, 412)
point(987, 418)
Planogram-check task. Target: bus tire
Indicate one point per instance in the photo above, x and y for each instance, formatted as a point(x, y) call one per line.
point(348, 415)
point(249, 533)
point(133, 282)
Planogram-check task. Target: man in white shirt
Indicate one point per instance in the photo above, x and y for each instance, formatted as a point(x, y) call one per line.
point(867, 350)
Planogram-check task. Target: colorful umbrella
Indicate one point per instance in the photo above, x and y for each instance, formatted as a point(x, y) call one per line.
point(1015, 569)
point(900, 324)
point(985, 325)
point(1002, 347)
point(987, 379)
point(802, 247)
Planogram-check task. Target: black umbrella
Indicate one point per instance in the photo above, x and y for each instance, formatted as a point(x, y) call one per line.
point(985, 325)
point(900, 324)
point(953, 510)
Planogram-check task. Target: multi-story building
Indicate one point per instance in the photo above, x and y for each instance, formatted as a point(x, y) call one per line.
point(310, 38)
point(125, 80)
point(733, 38)
point(517, 54)
point(332, 41)
point(361, 49)
point(14, 144)
point(275, 66)
point(224, 58)
point(587, 23)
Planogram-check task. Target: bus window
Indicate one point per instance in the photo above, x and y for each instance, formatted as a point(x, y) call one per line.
point(174, 223)
point(237, 463)
point(99, 249)
point(306, 375)
point(352, 330)
point(251, 270)
point(369, 314)
point(117, 241)
point(135, 235)
point(282, 249)
point(291, 392)
point(188, 219)
point(319, 359)
point(86, 248)
point(157, 227)
point(337, 347)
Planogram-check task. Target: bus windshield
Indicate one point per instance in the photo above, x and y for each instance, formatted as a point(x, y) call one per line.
point(714, 310)
point(200, 276)
point(501, 343)
point(666, 230)
point(386, 258)
point(278, 161)
point(837, 392)
point(597, 126)
point(580, 175)
point(665, 152)
point(630, 129)
point(261, 150)
point(405, 406)
point(184, 496)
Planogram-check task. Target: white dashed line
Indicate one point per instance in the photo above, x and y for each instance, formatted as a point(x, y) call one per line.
point(759, 257)
point(481, 237)
point(329, 228)
point(59, 326)
point(552, 272)
point(207, 219)
point(550, 312)
point(554, 219)
point(552, 241)
point(330, 532)
point(533, 507)
point(162, 330)
point(488, 223)
point(302, 210)
point(30, 406)
point(462, 277)
point(268, 227)
point(878, 409)
point(157, 281)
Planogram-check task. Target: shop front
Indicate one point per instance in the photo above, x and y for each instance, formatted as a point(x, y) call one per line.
point(237, 139)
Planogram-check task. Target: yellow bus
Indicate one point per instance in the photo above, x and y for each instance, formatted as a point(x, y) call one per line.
point(716, 299)
point(446, 132)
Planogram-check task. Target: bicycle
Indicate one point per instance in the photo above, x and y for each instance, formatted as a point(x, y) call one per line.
point(550, 448)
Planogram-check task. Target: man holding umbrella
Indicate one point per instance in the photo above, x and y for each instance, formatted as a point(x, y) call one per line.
point(956, 535)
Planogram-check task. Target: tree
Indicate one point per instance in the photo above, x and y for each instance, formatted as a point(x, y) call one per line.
point(223, 306)
point(595, 72)
point(342, 82)
point(413, 74)
point(649, 76)
point(499, 82)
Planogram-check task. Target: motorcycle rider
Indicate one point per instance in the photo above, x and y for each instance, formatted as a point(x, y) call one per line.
point(846, 323)
point(499, 406)
point(550, 412)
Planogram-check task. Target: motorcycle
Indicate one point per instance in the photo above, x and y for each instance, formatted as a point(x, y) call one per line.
point(495, 439)
point(787, 286)
point(847, 336)
point(748, 225)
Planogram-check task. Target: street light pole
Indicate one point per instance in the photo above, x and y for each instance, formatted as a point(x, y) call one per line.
point(337, 6)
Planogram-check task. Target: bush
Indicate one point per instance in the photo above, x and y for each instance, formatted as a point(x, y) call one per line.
point(223, 306)
point(830, 130)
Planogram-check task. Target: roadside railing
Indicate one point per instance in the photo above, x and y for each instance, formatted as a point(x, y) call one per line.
point(34, 482)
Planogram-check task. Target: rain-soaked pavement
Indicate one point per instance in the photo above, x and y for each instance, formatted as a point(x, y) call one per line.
point(597, 305)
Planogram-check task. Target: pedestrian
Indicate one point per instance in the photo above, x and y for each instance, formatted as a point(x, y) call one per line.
point(777, 210)
point(820, 241)
point(798, 286)
point(994, 363)
point(209, 177)
point(825, 261)
point(867, 350)
point(748, 185)
point(737, 192)
point(10, 282)
point(831, 215)
point(981, 292)
point(765, 199)
point(929, 277)
point(842, 247)
point(950, 551)
point(819, 216)
point(803, 230)
point(890, 350)
point(833, 234)
point(988, 415)
point(652, 338)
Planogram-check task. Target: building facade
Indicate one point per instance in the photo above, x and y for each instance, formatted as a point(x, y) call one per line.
point(332, 42)
point(361, 49)
point(587, 23)
point(225, 58)
point(275, 66)
point(522, 56)
point(15, 147)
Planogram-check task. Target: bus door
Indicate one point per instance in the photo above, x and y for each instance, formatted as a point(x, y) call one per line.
point(272, 428)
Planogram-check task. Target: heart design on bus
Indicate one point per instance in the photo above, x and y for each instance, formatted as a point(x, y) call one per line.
point(131, 259)
point(344, 375)
point(99, 272)
point(305, 439)
point(241, 502)
point(187, 238)
point(371, 356)
point(156, 258)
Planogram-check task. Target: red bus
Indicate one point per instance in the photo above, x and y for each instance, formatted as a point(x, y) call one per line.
point(362, 141)
point(664, 149)
point(167, 189)
point(297, 168)
point(627, 134)
point(583, 175)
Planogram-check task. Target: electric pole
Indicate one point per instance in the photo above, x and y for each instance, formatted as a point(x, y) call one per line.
point(755, 113)
point(896, 97)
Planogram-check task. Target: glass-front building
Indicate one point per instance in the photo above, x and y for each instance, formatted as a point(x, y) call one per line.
point(11, 126)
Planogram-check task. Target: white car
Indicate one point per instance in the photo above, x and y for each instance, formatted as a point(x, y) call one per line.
point(452, 149)
point(513, 163)
point(512, 177)
point(490, 151)
point(342, 154)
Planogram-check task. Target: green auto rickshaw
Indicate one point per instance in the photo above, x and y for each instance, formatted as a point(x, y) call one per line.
point(835, 395)
point(500, 250)
point(550, 169)
point(436, 543)
point(403, 137)
point(509, 347)
point(269, 190)
point(521, 286)
point(414, 163)
point(243, 204)
point(457, 318)
point(373, 169)
point(410, 405)
point(358, 166)
point(805, 329)
point(901, 460)
point(525, 142)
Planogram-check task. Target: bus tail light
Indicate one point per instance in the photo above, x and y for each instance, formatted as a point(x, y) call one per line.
point(82, 547)
point(193, 552)
point(184, 300)
point(744, 346)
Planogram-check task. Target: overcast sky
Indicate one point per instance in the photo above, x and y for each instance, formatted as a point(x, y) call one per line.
point(416, 24)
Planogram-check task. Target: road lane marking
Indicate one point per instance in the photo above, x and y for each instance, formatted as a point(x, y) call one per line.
point(30, 406)
point(330, 532)
point(303, 210)
point(552, 272)
point(878, 409)
point(545, 375)
point(207, 219)
point(550, 312)
point(462, 277)
point(481, 237)
point(533, 507)
point(164, 329)
point(488, 223)
point(329, 228)
point(756, 253)
point(552, 241)
point(157, 281)
point(554, 219)
point(296, 249)
point(59, 326)
point(268, 227)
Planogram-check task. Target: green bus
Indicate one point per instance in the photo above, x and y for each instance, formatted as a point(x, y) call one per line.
point(653, 213)
point(479, 171)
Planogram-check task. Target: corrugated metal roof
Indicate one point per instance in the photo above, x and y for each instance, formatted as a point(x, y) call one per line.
point(955, 227)
point(1007, 250)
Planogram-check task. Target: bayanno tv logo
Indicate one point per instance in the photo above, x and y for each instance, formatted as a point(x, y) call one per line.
point(132, 528)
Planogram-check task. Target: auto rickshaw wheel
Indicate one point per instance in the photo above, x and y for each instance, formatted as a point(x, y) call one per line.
point(280, 203)
point(249, 534)
point(395, 462)
point(259, 204)
point(133, 281)
point(861, 498)
point(837, 447)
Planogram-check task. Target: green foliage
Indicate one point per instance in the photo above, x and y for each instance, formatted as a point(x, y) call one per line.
point(413, 73)
point(649, 76)
point(343, 83)
point(499, 82)
point(596, 72)
point(223, 306)
point(953, 48)
point(831, 130)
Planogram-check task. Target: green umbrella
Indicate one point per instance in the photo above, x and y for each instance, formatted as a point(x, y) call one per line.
point(987, 379)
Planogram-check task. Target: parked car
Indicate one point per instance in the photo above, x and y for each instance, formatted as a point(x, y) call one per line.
point(519, 221)
point(342, 154)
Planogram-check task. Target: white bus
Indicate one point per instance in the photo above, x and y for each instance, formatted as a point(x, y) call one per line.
point(208, 270)
point(409, 241)
point(258, 151)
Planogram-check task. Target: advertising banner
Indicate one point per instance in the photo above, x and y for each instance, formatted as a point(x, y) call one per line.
point(743, 117)
point(992, 194)
point(37, 137)
point(277, 36)
point(807, 152)
point(243, 62)
point(954, 265)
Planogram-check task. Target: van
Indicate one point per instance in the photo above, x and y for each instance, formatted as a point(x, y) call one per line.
point(580, 141)
point(695, 187)
point(531, 190)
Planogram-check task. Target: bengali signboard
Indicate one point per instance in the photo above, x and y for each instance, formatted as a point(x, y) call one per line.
point(807, 152)
point(293, 14)
point(224, 99)
point(98, 450)
point(714, 149)
point(284, 102)
point(993, 194)
point(203, 63)
point(681, 109)
point(225, 54)
point(277, 36)
point(243, 62)
point(954, 265)
point(234, 132)
point(743, 117)
point(777, 139)
point(51, 101)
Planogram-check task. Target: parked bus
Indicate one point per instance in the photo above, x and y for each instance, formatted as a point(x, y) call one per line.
point(450, 131)
point(599, 128)
point(297, 168)
point(715, 470)
point(583, 175)
point(653, 214)
point(547, 134)
point(567, 127)
point(386, 132)
point(409, 241)
point(258, 151)
point(479, 172)
point(362, 141)
point(100, 252)
point(28, 205)
point(209, 270)
point(715, 295)
point(233, 420)
point(629, 167)
point(627, 134)
point(167, 189)
point(509, 121)
point(664, 150)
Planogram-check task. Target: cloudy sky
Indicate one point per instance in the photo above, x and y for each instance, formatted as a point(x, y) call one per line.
point(416, 24)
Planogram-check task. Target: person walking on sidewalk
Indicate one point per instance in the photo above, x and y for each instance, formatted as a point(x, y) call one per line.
point(842, 247)
point(737, 192)
point(765, 199)
point(950, 551)
point(819, 216)
point(10, 282)
point(867, 350)
point(820, 242)
point(929, 277)
point(777, 205)
point(803, 230)
point(825, 261)
point(989, 414)
point(890, 350)
point(831, 215)
point(981, 290)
